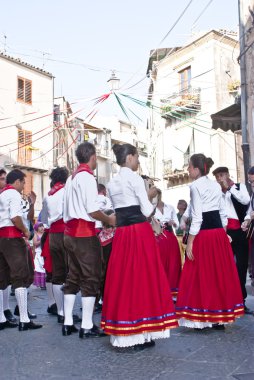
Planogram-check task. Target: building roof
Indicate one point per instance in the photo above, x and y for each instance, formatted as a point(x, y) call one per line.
point(199, 40)
point(228, 119)
point(25, 64)
point(158, 54)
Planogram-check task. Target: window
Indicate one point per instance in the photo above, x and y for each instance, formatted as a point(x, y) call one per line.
point(24, 90)
point(185, 80)
point(24, 147)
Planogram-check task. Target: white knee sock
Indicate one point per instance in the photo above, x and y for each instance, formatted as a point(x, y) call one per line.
point(87, 312)
point(50, 294)
point(69, 300)
point(6, 295)
point(21, 296)
point(2, 316)
point(59, 297)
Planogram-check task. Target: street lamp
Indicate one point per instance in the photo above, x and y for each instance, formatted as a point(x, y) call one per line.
point(113, 81)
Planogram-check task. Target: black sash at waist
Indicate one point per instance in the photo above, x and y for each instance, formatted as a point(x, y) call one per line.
point(168, 227)
point(211, 220)
point(125, 216)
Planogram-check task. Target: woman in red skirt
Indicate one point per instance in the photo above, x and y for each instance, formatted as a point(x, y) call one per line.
point(137, 306)
point(168, 243)
point(209, 292)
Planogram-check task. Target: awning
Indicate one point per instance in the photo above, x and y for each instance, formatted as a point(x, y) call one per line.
point(26, 167)
point(228, 119)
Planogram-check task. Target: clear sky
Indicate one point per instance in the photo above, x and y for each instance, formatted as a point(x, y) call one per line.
point(102, 35)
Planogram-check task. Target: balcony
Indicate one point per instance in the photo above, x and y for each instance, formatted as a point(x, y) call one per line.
point(141, 147)
point(167, 168)
point(185, 101)
point(102, 151)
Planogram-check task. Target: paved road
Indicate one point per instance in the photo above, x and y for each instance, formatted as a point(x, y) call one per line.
point(188, 354)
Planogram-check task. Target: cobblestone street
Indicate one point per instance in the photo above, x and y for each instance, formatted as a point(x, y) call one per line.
point(188, 354)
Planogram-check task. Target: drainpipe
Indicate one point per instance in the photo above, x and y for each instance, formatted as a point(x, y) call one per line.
point(244, 122)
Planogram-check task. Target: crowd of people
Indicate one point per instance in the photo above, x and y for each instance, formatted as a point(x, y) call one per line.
point(128, 254)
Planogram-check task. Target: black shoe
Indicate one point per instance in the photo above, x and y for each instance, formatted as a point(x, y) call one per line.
point(94, 332)
point(247, 310)
point(98, 308)
point(23, 326)
point(52, 309)
point(68, 330)
point(217, 326)
point(7, 324)
point(30, 315)
point(9, 316)
point(76, 319)
point(60, 319)
point(141, 347)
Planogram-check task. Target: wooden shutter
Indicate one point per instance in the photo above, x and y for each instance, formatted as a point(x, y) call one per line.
point(24, 92)
point(21, 89)
point(28, 91)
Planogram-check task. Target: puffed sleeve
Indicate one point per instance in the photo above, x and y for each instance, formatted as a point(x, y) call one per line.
point(240, 195)
point(140, 192)
point(222, 211)
point(196, 210)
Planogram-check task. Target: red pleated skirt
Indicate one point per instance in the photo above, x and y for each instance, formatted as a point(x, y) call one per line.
point(45, 253)
point(137, 296)
point(170, 258)
point(209, 289)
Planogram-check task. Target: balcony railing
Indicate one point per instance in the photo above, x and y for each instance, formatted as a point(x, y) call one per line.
point(167, 167)
point(187, 100)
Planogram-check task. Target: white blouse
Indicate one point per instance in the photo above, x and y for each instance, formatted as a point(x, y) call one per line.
point(240, 195)
point(54, 204)
point(169, 214)
point(206, 195)
point(10, 206)
point(126, 189)
point(80, 197)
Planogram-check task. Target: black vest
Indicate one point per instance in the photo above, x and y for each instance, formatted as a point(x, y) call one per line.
point(240, 209)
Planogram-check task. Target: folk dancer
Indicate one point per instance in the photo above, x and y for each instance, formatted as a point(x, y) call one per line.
point(248, 224)
point(237, 201)
point(6, 292)
point(209, 292)
point(168, 243)
point(53, 203)
point(14, 266)
point(137, 305)
point(81, 242)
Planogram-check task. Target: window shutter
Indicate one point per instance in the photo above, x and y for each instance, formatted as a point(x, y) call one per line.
point(20, 89)
point(28, 91)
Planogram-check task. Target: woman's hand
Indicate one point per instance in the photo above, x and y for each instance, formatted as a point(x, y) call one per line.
point(188, 251)
point(245, 225)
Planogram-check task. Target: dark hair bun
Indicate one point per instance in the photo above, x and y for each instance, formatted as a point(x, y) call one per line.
point(209, 162)
point(122, 151)
point(116, 148)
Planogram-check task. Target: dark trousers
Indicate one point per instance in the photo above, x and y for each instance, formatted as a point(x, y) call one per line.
point(59, 258)
point(15, 263)
point(84, 262)
point(240, 249)
point(252, 257)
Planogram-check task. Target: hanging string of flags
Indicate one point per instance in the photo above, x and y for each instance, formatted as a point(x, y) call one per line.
point(176, 112)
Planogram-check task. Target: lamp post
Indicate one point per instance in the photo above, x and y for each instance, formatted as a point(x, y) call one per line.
point(113, 82)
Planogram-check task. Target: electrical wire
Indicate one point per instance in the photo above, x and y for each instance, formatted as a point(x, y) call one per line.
point(163, 39)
